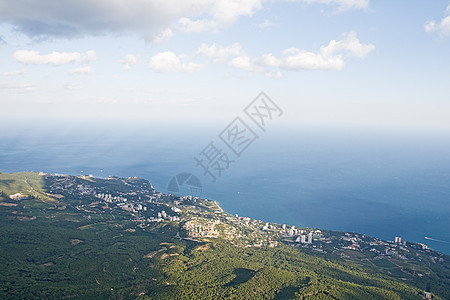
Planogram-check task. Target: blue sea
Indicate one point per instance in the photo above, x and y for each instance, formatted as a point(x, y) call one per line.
point(380, 182)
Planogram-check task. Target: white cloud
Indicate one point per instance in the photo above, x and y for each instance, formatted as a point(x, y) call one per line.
point(343, 5)
point(219, 13)
point(155, 20)
point(227, 11)
point(304, 60)
point(245, 63)
point(20, 87)
point(14, 73)
point(163, 36)
point(430, 26)
point(83, 70)
point(268, 60)
point(218, 51)
point(273, 74)
point(351, 45)
point(148, 18)
point(169, 62)
point(54, 58)
point(191, 26)
point(129, 60)
point(265, 24)
point(330, 57)
point(441, 27)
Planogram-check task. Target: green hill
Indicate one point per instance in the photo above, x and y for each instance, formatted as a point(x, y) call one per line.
point(90, 238)
point(27, 183)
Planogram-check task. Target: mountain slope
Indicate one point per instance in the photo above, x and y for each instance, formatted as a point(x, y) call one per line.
point(83, 237)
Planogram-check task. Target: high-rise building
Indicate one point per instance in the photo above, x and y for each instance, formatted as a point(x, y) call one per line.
point(303, 239)
point(310, 238)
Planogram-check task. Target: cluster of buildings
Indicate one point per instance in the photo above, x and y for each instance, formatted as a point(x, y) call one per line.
point(246, 232)
point(354, 240)
point(138, 200)
point(303, 237)
point(424, 247)
point(109, 198)
point(398, 240)
point(85, 189)
point(289, 231)
point(396, 248)
point(163, 215)
point(196, 229)
point(132, 207)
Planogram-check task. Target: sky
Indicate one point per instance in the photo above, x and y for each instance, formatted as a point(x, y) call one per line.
point(337, 62)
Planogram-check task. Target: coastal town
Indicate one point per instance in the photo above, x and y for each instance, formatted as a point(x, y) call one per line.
point(204, 219)
point(135, 205)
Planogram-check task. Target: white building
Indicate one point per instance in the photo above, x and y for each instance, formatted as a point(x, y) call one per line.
point(310, 238)
point(176, 209)
point(303, 239)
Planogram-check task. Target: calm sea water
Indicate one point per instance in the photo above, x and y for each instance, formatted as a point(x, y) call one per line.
point(378, 182)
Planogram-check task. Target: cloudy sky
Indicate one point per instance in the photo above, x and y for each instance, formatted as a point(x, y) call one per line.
point(350, 62)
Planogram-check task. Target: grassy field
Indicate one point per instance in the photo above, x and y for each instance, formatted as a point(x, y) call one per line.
point(27, 183)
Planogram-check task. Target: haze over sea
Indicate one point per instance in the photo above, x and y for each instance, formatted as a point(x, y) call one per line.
point(380, 182)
